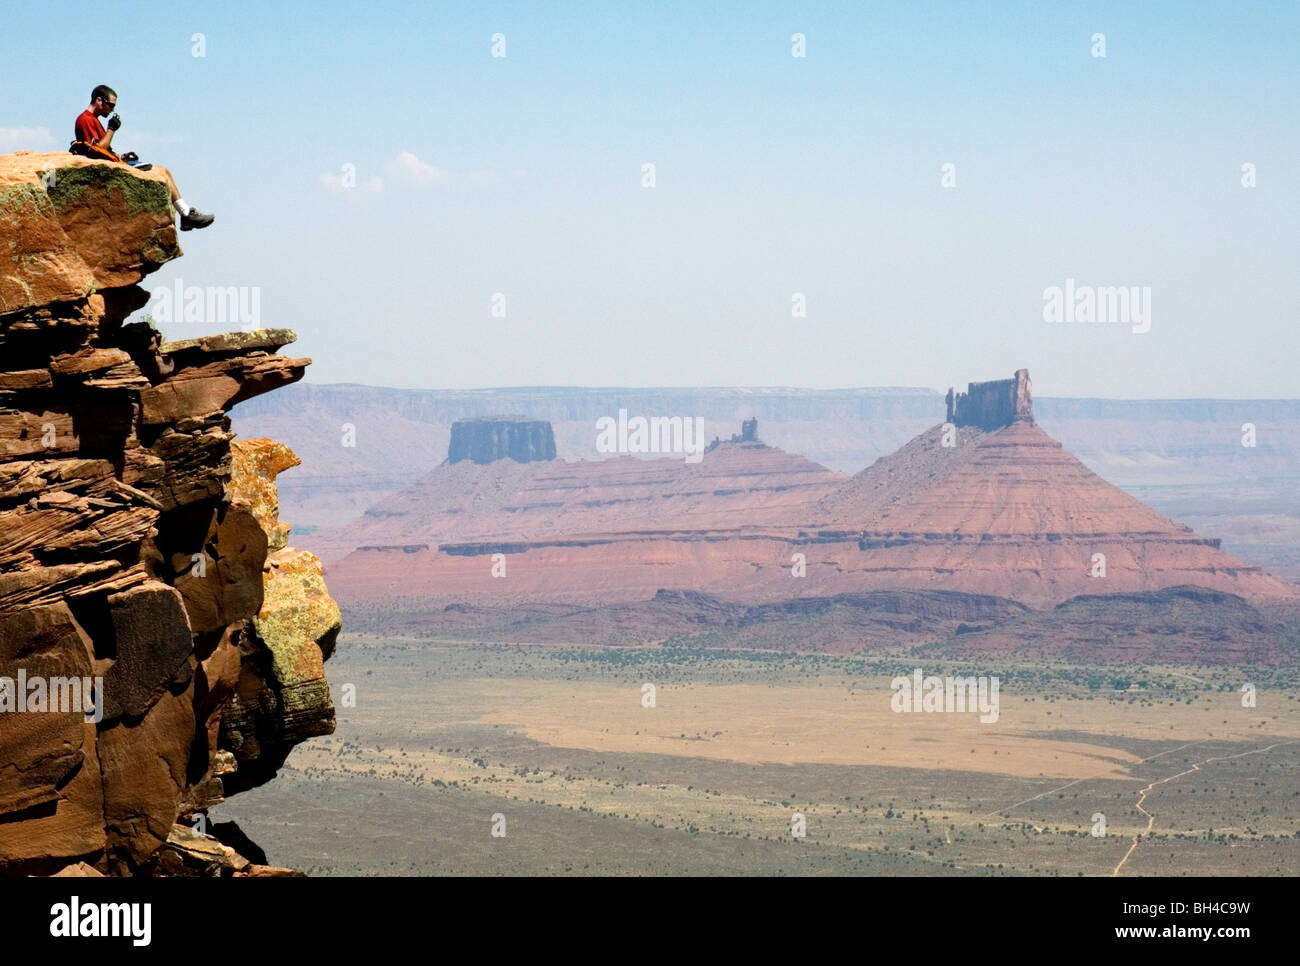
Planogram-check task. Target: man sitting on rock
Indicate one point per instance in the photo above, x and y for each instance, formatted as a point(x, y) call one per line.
point(89, 132)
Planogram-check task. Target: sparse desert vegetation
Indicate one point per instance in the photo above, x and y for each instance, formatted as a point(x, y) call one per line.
point(589, 781)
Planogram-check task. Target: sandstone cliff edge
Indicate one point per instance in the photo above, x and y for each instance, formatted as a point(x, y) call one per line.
point(140, 548)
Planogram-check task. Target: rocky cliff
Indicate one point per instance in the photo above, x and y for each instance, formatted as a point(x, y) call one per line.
point(160, 645)
point(495, 438)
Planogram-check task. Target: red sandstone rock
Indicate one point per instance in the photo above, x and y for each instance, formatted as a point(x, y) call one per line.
point(736, 485)
point(1004, 513)
point(79, 225)
point(79, 870)
point(144, 771)
point(121, 553)
point(48, 766)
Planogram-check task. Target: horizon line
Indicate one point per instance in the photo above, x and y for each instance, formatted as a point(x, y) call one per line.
point(772, 388)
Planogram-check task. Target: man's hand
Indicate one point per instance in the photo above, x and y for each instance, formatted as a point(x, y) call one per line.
point(114, 123)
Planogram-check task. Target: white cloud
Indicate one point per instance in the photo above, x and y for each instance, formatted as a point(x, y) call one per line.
point(26, 139)
point(407, 165)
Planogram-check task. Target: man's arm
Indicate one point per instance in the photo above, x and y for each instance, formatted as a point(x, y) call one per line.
point(106, 142)
point(86, 132)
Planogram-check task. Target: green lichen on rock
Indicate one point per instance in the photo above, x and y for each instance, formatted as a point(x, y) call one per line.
point(70, 186)
point(299, 622)
point(271, 340)
point(22, 201)
point(20, 205)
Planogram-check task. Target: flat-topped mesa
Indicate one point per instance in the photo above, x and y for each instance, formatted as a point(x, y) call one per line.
point(486, 439)
point(992, 405)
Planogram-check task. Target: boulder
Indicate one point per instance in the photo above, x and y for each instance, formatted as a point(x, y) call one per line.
point(79, 225)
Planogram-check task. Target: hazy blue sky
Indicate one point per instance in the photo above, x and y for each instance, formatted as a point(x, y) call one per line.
point(775, 175)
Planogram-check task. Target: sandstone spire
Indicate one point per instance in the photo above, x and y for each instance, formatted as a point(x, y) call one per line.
point(992, 405)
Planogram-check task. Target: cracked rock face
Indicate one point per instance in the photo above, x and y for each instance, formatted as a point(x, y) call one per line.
point(141, 557)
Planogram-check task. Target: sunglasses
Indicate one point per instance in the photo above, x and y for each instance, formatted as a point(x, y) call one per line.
point(108, 105)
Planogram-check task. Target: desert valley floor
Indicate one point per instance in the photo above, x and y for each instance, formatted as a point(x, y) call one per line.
point(553, 746)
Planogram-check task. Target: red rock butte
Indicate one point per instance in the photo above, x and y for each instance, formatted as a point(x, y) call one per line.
point(986, 503)
point(739, 483)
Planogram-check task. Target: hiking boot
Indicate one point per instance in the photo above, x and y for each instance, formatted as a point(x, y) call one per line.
point(195, 219)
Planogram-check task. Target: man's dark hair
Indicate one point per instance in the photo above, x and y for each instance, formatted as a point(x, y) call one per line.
point(104, 91)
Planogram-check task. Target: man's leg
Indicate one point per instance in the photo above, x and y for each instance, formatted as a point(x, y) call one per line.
point(190, 217)
point(171, 183)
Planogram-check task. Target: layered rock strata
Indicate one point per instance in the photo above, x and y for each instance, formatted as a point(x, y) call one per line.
point(1002, 513)
point(738, 484)
point(129, 561)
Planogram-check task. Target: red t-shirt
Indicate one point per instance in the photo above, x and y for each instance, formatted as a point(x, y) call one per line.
point(88, 127)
